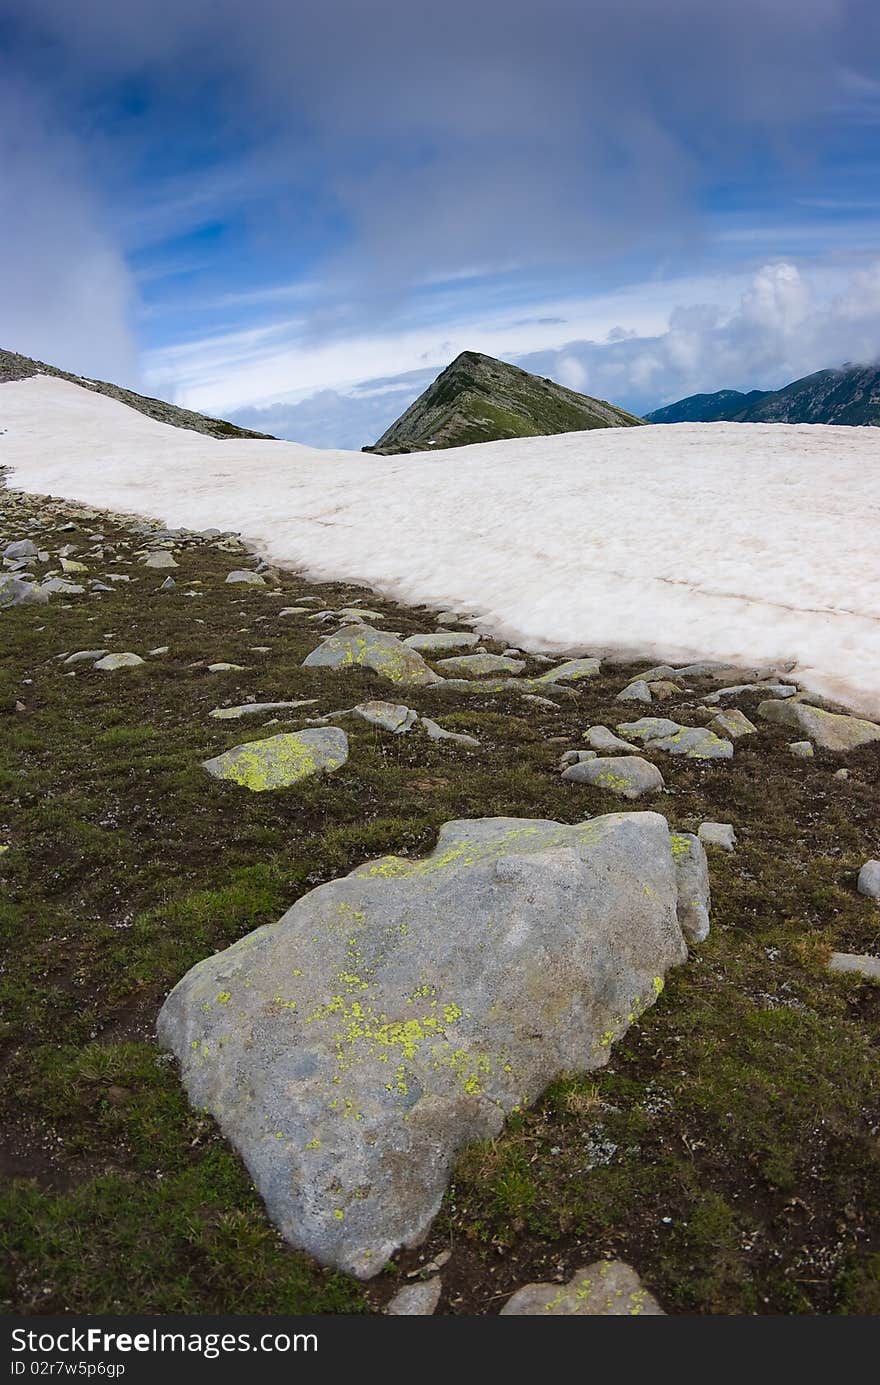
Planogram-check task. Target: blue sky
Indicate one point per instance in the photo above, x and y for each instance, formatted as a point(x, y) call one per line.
point(295, 215)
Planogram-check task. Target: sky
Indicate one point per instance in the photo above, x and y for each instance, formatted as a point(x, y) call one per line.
point(295, 215)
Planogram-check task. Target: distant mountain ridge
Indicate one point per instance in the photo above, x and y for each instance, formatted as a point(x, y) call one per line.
point(16, 367)
point(847, 396)
point(480, 399)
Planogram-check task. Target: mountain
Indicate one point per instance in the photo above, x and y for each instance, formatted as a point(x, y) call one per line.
point(849, 395)
point(480, 399)
point(16, 367)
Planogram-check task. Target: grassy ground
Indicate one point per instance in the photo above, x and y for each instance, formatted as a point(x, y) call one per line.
point(730, 1149)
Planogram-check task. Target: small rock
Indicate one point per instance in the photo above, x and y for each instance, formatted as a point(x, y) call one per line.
point(663, 688)
point(442, 640)
point(476, 665)
point(605, 1289)
point(294, 611)
point(576, 757)
point(226, 668)
point(361, 646)
point(83, 656)
point(68, 565)
point(648, 728)
point(803, 750)
point(160, 559)
point(840, 774)
point(250, 579)
point(256, 709)
point(21, 548)
point(869, 880)
point(15, 592)
point(628, 776)
point(605, 741)
point(857, 963)
point(717, 834)
point(416, 1299)
point(692, 872)
point(390, 716)
point(158, 651)
point(439, 733)
point(114, 661)
point(732, 724)
point(571, 671)
point(695, 743)
point(635, 692)
point(169, 584)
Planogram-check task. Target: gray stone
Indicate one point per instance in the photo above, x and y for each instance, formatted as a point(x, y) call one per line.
point(628, 776)
point(223, 667)
point(605, 741)
point(85, 656)
point(256, 709)
point(389, 716)
point(692, 870)
point(662, 689)
point(160, 559)
point(608, 1288)
point(279, 761)
point(439, 733)
point(477, 665)
point(857, 964)
point(576, 757)
point(58, 587)
point(780, 690)
point(416, 1299)
point(803, 750)
point(442, 640)
point(829, 730)
point(242, 575)
point(361, 646)
point(695, 743)
point(355, 615)
point(869, 880)
point(840, 774)
point(648, 728)
point(111, 662)
point(571, 671)
point(294, 611)
point(733, 723)
point(717, 834)
point(168, 585)
point(392, 1016)
point(541, 701)
point(21, 548)
point(659, 671)
point(635, 692)
point(15, 592)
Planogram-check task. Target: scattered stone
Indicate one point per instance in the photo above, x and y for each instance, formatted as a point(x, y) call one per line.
point(160, 559)
point(111, 662)
point(169, 584)
point(226, 668)
point(857, 963)
point(717, 834)
point(353, 615)
point(158, 651)
point(541, 701)
point(59, 587)
point(83, 656)
point(647, 728)
point(571, 671)
point(659, 673)
point(21, 548)
point(348, 1104)
point(256, 709)
point(279, 761)
point(628, 776)
point(413, 1299)
point(439, 733)
point(477, 665)
point(605, 1289)
point(250, 579)
point(802, 749)
point(68, 565)
point(15, 592)
point(605, 741)
point(576, 757)
point(662, 689)
point(390, 716)
point(692, 871)
point(361, 646)
point(780, 690)
point(294, 611)
point(840, 774)
point(829, 730)
point(733, 723)
point(695, 743)
point(635, 692)
point(436, 643)
point(869, 880)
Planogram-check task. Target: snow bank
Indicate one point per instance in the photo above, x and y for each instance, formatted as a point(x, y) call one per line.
point(748, 542)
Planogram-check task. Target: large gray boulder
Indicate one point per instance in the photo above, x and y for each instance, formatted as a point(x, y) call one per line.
point(391, 1016)
point(442, 640)
point(828, 730)
point(15, 592)
point(21, 548)
point(361, 646)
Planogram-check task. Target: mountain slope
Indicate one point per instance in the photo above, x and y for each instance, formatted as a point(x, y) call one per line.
point(16, 367)
point(480, 399)
point(848, 396)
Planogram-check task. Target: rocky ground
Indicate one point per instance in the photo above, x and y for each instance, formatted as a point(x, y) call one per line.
point(729, 1150)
